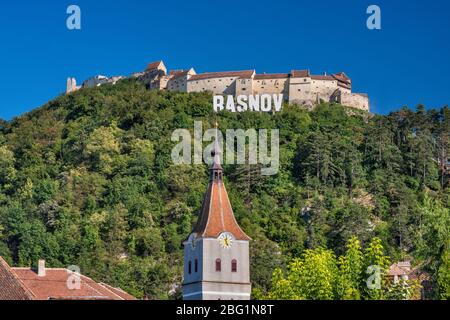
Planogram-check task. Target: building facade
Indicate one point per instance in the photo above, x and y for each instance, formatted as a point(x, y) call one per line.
point(216, 254)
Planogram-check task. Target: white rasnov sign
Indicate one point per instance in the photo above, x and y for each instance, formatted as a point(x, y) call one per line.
point(258, 103)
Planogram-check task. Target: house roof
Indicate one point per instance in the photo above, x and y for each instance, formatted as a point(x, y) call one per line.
point(244, 74)
point(11, 288)
point(300, 73)
point(341, 76)
point(54, 286)
point(327, 78)
point(154, 65)
point(400, 269)
point(26, 284)
point(216, 216)
point(271, 76)
point(180, 73)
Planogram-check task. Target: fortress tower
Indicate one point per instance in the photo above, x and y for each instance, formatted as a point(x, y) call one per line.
point(216, 254)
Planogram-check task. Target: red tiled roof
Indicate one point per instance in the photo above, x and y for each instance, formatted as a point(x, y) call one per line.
point(216, 216)
point(179, 73)
point(341, 76)
point(124, 295)
point(271, 76)
point(328, 78)
point(154, 65)
point(11, 288)
point(400, 269)
point(300, 73)
point(54, 286)
point(344, 85)
point(245, 74)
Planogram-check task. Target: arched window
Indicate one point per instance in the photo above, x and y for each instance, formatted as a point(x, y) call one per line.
point(196, 266)
point(190, 267)
point(218, 265)
point(234, 265)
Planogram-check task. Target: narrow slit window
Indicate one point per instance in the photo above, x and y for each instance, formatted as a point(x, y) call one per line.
point(218, 265)
point(234, 265)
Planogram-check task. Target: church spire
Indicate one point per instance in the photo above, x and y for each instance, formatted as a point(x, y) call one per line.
point(217, 215)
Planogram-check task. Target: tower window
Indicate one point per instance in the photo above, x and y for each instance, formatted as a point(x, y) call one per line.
point(234, 265)
point(190, 267)
point(196, 266)
point(218, 265)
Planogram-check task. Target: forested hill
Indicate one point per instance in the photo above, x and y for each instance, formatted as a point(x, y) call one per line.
point(88, 180)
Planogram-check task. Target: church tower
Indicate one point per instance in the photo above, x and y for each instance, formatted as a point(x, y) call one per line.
point(216, 254)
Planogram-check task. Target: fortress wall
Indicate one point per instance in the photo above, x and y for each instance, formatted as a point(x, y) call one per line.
point(323, 89)
point(244, 87)
point(355, 100)
point(215, 85)
point(271, 86)
point(178, 84)
point(299, 91)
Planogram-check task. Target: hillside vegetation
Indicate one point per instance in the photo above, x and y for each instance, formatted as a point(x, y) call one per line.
point(88, 180)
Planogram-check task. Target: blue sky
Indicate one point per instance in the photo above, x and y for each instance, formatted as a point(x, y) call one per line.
point(405, 63)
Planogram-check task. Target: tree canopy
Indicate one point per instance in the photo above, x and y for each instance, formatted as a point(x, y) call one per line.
point(88, 180)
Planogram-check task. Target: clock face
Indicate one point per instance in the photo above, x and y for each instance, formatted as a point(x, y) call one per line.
point(226, 240)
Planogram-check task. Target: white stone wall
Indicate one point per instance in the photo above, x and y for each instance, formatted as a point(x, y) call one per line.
point(244, 87)
point(356, 100)
point(178, 84)
point(300, 91)
point(323, 89)
point(225, 85)
point(271, 86)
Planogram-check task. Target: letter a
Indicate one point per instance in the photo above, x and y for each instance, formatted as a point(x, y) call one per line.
point(74, 20)
point(374, 21)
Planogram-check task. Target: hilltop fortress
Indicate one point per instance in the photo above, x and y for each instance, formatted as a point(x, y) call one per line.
point(297, 87)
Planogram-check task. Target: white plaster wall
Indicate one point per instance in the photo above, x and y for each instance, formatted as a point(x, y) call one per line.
point(270, 86)
point(226, 85)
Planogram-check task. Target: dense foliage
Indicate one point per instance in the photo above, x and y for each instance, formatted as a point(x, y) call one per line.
point(88, 180)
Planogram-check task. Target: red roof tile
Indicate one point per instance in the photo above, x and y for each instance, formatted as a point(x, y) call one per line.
point(271, 76)
point(300, 73)
point(54, 286)
point(400, 269)
point(245, 74)
point(327, 78)
point(11, 288)
point(216, 216)
point(154, 65)
point(341, 76)
point(179, 73)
